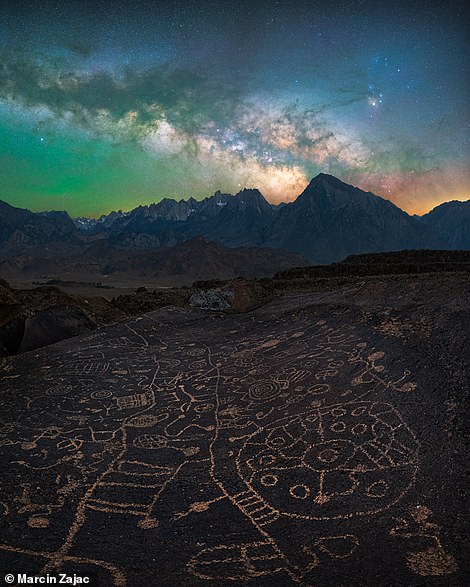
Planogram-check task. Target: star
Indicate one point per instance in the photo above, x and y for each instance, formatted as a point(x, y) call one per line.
point(148, 98)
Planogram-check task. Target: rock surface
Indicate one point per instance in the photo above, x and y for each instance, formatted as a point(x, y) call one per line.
point(319, 440)
point(30, 319)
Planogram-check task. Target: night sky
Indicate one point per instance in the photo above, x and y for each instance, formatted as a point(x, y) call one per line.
point(107, 105)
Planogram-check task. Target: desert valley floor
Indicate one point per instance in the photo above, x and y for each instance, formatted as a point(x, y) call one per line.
point(316, 441)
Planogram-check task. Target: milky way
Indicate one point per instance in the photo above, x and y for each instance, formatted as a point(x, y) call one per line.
point(106, 105)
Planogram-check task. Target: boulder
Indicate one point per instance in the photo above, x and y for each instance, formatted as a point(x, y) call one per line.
point(52, 325)
point(236, 296)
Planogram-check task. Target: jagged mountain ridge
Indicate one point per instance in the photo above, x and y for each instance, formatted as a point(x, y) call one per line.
point(327, 222)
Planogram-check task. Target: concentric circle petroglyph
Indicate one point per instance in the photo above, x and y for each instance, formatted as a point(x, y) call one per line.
point(370, 452)
point(101, 394)
point(180, 427)
point(263, 391)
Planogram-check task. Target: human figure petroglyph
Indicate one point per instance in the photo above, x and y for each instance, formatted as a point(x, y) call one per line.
point(308, 465)
point(147, 413)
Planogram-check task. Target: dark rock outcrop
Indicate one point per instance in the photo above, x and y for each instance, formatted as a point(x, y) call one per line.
point(31, 319)
point(319, 440)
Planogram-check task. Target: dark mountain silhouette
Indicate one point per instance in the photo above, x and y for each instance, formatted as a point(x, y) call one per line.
point(451, 220)
point(94, 225)
point(327, 222)
point(18, 226)
point(237, 221)
point(244, 220)
point(331, 220)
point(199, 259)
point(155, 219)
point(193, 259)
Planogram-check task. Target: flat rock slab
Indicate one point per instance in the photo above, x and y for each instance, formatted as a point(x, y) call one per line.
point(317, 441)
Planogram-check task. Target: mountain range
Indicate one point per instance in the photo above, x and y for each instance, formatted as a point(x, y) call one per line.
point(191, 260)
point(329, 221)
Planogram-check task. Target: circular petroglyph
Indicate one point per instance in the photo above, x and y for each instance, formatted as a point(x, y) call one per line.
point(59, 390)
point(196, 365)
point(356, 459)
point(359, 429)
point(338, 412)
point(269, 480)
point(319, 389)
point(299, 491)
point(171, 362)
point(263, 391)
point(359, 410)
point(101, 394)
point(267, 459)
point(277, 441)
point(144, 421)
point(195, 352)
point(338, 426)
point(329, 455)
point(377, 489)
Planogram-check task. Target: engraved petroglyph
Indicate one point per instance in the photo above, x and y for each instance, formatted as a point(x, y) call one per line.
point(433, 560)
point(292, 425)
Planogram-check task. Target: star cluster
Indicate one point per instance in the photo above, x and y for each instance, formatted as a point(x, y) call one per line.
point(106, 105)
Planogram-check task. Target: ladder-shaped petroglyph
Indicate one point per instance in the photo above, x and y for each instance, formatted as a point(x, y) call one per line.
point(292, 423)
